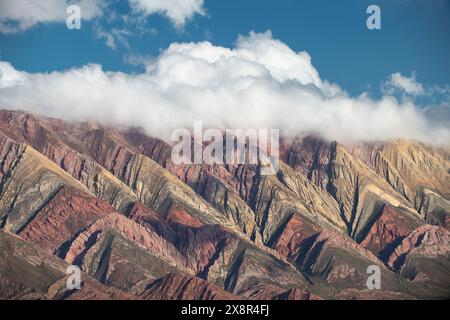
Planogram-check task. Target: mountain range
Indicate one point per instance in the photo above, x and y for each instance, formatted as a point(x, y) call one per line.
point(111, 201)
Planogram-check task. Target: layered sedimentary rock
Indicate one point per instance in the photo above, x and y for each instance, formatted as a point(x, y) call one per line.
point(68, 213)
point(111, 201)
point(29, 273)
point(49, 138)
point(423, 257)
point(416, 171)
point(359, 190)
point(30, 184)
point(180, 287)
point(390, 227)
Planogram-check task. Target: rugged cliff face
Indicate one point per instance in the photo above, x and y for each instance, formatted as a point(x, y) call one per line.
point(140, 227)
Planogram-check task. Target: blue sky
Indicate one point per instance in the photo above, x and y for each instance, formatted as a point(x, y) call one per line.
point(414, 38)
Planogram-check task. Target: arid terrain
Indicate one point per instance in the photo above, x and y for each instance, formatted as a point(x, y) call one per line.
point(111, 201)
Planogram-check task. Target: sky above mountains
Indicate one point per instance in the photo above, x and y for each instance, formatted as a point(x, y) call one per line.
point(120, 34)
point(180, 55)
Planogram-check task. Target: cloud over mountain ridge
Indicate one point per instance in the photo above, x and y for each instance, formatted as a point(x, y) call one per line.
point(241, 87)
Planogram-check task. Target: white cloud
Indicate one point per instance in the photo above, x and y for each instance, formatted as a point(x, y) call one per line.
point(178, 11)
point(20, 15)
point(409, 85)
point(256, 57)
point(136, 59)
point(112, 37)
point(10, 77)
point(261, 83)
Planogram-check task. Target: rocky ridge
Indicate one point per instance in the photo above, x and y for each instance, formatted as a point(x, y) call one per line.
point(112, 202)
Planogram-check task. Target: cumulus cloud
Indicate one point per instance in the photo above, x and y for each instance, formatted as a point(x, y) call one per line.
point(10, 77)
point(178, 11)
point(20, 15)
point(408, 85)
point(260, 83)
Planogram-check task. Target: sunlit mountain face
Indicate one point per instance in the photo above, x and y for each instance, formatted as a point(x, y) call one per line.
point(173, 150)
